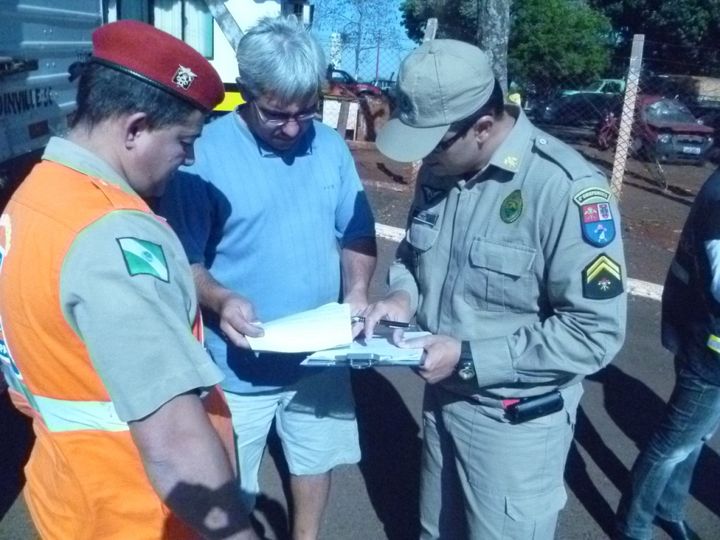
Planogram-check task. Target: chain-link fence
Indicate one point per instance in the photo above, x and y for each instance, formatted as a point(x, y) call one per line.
point(652, 125)
point(641, 123)
point(363, 77)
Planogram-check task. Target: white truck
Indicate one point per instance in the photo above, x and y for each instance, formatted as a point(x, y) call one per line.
point(39, 39)
point(38, 42)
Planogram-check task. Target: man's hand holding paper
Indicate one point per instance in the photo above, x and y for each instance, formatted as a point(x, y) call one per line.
point(321, 328)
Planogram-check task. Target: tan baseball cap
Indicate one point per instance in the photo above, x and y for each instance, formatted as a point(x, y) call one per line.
point(439, 83)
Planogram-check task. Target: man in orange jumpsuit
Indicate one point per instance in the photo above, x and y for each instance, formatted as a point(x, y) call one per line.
point(97, 309)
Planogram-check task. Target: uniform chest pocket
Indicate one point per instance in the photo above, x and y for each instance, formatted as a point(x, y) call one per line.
point(421, 238)
point(500, 277)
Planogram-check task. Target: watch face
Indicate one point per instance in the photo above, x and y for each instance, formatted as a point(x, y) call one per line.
point(465, 370)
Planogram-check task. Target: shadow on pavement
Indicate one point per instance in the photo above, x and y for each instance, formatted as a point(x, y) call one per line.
point(275, 514)
point(16, 440)
point(636, 410)
point(578, 477)
point(391, 446)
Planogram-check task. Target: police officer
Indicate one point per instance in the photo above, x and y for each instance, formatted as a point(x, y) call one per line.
point(513, 262)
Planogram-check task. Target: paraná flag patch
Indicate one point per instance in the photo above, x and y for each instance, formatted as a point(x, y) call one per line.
point(144, 257)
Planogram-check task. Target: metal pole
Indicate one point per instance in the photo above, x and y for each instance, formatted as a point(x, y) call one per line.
point(227, 23)
point(430, 30)
point(624, 140)
point(377, 61)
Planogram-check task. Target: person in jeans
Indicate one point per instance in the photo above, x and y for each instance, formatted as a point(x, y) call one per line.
point(663, 472)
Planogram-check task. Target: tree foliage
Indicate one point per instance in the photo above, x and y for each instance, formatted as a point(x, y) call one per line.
point(558, 42)
point(363, 24)
point(482, 22)
point(550, 41)
point(681, 36)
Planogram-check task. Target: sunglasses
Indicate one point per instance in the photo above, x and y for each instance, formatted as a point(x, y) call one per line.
point(463, 128)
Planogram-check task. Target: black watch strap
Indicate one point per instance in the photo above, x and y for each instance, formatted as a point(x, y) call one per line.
point(465, 367)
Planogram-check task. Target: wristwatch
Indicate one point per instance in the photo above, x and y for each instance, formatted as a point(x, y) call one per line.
point(465, 368)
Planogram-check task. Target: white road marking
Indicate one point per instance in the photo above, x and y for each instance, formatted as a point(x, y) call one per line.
point(637, 287)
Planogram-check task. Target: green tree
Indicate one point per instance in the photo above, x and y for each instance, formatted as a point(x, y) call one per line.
point(482, 22)
point(551, 42)
point(681, 36)
point(557, 43)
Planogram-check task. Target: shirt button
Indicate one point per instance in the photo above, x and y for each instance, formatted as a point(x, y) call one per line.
point(542, 140)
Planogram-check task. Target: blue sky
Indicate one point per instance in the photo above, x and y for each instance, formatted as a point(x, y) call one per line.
point(386, 62)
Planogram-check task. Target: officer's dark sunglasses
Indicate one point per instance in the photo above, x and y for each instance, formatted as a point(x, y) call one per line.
point(463, 127)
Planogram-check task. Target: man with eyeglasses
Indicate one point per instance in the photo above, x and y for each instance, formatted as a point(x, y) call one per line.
point(274, 220)
point(513, 261)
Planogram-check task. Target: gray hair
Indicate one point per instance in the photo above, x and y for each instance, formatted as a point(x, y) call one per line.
point(278, 57)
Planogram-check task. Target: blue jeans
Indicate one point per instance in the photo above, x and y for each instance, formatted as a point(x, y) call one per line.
point(661, 476)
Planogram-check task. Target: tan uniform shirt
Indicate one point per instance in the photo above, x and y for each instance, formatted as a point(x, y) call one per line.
point(127, 290)
point(501, 261)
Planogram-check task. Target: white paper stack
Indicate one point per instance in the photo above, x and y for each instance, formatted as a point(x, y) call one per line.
point(321, 328)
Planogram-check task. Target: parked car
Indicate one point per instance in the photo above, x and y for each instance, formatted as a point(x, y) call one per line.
point(664, 129)
point(600, 86)
point(578, 109)
point(385, 85)
point(342, 83)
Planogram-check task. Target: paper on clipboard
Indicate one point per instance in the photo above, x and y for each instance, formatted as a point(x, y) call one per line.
point(320, 328)
point(376, 351)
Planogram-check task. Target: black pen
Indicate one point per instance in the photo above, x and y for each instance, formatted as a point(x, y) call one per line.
point(382, 322)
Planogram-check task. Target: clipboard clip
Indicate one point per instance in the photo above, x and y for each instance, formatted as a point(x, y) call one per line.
point(362, 360)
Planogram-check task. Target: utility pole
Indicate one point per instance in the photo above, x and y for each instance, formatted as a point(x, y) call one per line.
point(377, 59)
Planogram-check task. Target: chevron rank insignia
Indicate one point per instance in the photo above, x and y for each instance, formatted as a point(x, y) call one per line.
point(602, 279)
point(596, 219)
point(144, 257)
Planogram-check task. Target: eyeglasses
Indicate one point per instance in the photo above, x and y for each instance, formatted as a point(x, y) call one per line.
point(279, 119)
point(464, 127)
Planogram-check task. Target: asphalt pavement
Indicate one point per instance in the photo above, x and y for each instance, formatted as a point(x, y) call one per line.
point(377, 499)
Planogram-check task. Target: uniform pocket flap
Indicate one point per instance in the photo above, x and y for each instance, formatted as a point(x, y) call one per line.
point(529, 507)
point(421, 237)
point(510, 259)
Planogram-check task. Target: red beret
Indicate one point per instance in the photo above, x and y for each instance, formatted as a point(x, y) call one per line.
point(160, 59)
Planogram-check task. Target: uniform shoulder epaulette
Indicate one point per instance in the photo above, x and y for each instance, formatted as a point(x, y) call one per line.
point(568, 159)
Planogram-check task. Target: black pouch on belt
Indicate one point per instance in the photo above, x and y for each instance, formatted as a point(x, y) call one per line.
point(534, 407)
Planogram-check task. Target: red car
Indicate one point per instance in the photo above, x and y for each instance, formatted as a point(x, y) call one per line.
point(664, 129)
point(341, 83)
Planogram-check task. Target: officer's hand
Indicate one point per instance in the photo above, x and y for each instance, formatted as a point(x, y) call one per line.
point(394, 307)
point(237, 320)
point(442, 353)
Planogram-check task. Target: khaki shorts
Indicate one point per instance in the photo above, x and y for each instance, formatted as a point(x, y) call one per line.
point(314, 419)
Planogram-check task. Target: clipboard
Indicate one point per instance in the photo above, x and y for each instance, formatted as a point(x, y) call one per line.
point(378, 351)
